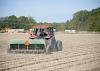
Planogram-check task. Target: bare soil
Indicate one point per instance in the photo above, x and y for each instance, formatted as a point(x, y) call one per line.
point(81, 52)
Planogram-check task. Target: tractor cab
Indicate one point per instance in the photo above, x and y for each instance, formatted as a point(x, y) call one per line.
point(41, 31)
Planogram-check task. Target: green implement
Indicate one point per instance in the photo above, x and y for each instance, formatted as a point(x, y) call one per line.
point(22, 41)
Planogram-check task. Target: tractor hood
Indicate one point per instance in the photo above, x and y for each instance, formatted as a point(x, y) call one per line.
point(23, 41)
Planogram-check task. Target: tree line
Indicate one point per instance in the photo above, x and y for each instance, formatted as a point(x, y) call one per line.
point(14, 22)
point(23, 22)
point(85, 20)
point(82, 21)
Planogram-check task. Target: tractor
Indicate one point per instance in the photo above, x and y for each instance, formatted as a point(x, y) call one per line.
point(41, 40)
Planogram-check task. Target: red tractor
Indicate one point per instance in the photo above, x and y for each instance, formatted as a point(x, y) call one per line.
point(41, 39)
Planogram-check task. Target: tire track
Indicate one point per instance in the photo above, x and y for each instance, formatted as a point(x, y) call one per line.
point(70, 64)
point(19, 59)
point(44, 61)
point(56, 63)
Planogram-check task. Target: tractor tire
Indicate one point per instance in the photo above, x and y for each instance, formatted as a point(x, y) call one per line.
point(59, 45)
point(53, 45)
point(48, 46)
point(48, 50)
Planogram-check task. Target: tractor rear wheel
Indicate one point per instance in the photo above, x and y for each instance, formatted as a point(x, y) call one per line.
point(48, 50)
point(59, 45)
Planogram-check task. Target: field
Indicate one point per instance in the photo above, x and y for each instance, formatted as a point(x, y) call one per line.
point(81, 52)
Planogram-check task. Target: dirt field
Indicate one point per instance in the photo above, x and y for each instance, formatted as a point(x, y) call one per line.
point(81, 52)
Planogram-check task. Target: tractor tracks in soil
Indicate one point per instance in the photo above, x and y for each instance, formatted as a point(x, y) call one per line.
point(75, 50)
point(69, 64)
point(18, 64)
point(79, 54)
point(52, 62)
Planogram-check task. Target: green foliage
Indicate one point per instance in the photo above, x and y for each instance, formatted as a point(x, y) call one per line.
point(12, 21)
point(82, 21)
point(58, 26)
point(85, 20)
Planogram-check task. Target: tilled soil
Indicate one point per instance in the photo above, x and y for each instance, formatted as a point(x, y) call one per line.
point(81, 52)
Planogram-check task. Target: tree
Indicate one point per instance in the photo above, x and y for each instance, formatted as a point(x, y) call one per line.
point(85, 20)
point(31, 20)
point(16, 22)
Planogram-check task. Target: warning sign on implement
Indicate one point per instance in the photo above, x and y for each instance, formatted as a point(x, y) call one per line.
point(27, 43)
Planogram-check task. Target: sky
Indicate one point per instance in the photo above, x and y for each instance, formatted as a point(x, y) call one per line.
point(46, 10)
